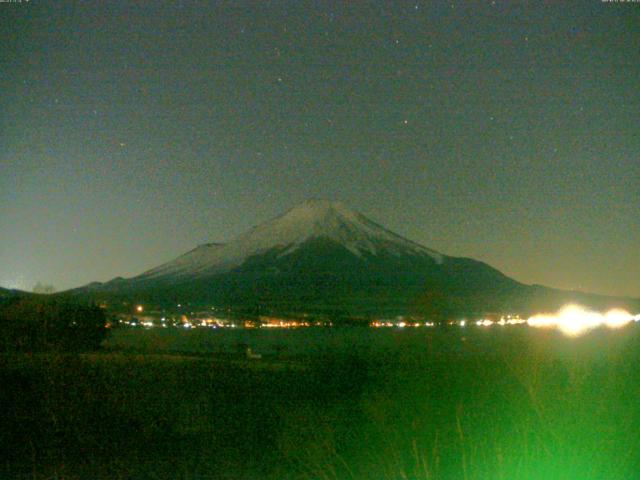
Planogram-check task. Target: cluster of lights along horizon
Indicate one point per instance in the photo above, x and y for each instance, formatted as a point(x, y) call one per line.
point(572, 320)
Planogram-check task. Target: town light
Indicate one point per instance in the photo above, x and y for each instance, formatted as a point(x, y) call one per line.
point(574, 320)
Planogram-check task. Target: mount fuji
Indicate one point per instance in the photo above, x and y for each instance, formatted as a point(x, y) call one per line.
point(287, 234)
point(322, 257)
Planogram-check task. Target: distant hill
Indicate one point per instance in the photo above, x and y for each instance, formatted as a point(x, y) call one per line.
point(10, 293)
point(322, 257)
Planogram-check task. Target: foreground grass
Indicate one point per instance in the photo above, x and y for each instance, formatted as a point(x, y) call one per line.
point(533, 407)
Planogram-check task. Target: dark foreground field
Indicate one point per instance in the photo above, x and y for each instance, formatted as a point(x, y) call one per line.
point(522, 405)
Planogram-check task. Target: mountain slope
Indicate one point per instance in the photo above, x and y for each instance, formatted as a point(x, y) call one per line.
point(321, 256)
point(287, 233)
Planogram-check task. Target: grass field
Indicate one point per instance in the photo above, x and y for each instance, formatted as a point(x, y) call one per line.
point(523, 405)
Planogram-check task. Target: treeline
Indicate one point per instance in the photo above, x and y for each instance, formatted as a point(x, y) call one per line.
point(36, 325)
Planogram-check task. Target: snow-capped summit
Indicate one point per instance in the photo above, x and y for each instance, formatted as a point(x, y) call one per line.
point(330, 220)
point(312, 219)
point(323, 258)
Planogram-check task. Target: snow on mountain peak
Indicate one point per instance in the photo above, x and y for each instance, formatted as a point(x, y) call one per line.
point(308, 220)
point(185, 263)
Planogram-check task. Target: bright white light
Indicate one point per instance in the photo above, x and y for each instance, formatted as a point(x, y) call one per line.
point(575, 320)
point(463, 323)
point(484, 323)
point(617, 318)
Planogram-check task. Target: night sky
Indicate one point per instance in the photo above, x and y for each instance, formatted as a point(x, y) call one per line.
point(503, 131)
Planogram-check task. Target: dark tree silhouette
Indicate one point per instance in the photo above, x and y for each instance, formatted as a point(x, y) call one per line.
point(39, 325)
